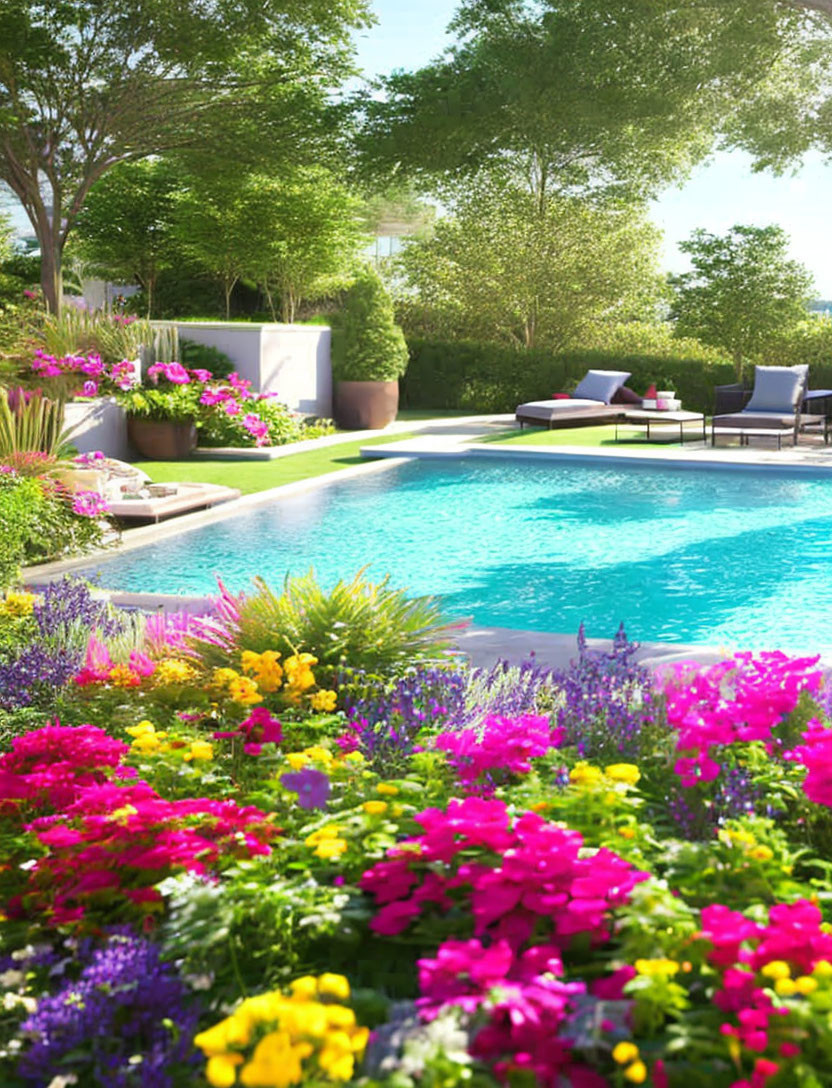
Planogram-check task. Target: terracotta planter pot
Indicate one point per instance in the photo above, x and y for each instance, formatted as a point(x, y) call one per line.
point(366, 406)
point(162, 441)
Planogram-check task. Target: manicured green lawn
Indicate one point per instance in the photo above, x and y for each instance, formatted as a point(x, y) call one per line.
point(251, 476)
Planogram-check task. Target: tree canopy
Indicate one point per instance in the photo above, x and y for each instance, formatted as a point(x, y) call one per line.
point(86, 84)
point(588, 93)
point(506, 267)
point(743, 291)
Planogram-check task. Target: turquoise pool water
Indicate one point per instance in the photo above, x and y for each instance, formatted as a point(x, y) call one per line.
point(678, 555)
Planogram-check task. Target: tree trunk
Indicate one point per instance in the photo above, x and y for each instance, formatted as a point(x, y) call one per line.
point(51, 271)
point(267, 291)
point(228, 287)
point(738, 365)
point(151, 280)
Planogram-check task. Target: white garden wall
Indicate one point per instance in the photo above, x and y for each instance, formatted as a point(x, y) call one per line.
point(292, 361)
point(98, 425)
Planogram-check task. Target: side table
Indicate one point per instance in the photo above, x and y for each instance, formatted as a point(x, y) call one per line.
point(655, 424)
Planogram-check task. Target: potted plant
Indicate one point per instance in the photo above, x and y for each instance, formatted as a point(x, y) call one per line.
point(373, 356)
point(161, 416)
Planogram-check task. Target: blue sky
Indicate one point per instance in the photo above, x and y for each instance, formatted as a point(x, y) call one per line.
point(718, 195)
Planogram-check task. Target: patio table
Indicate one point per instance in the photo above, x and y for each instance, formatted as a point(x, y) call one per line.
point(655, 424)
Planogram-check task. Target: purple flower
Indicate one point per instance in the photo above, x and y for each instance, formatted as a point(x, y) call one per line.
point(90, 388)
point(312, 787)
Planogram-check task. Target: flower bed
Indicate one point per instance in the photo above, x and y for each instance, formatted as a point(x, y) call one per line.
point(233, 858)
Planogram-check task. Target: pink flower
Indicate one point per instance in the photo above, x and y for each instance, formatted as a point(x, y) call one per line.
point(89, 504)
point(174, 372)
point(90, 388)
point(256, 427)
point(201, 375)
point(501, 748)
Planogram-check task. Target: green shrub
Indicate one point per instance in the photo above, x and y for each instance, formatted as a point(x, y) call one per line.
point(489, 378)
point(203, 356)
point(374, 347)
point(21, 503)
point(359, 623)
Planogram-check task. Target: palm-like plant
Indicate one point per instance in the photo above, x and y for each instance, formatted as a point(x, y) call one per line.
point(360, 624)
point(30, 423)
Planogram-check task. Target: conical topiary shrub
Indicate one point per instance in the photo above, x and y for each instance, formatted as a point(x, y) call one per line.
point(374, 348)
point(372, 358)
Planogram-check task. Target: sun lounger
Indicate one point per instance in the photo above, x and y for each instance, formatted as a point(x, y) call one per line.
point(186, 498)
point(774, 406)
point(590, 404)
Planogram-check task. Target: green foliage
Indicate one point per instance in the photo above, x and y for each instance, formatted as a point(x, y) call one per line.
point(20, 502)
point(86, 85)
point(584, 92)
point(742, 291)
point(358, 623)
point(202, 356)
point(85, 332)
point(33, 426)
point(124, 228)
point(374, 347)
point(480, 377)
point(528, 270)
point(308, 234)
point(217, 428)
point(174, 404)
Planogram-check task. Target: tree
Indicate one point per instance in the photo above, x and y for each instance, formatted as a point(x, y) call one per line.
point(374, 348)
point(587, 93)
point(505, 267)
point(217, 224)
point(310, 232)
point(124, 229)
point(87, 84)
point(742, 292)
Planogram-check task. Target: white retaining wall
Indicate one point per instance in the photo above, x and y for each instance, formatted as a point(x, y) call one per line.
point(292, 361)
point(98, 425)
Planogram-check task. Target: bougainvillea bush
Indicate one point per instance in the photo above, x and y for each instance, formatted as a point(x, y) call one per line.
point(230, 863)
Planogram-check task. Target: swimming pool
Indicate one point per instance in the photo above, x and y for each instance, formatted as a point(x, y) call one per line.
point(680, 555)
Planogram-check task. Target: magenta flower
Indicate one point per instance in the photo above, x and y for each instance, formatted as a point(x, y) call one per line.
point(174, 372)
point(90, 388)
point(255, 426)
point(232, 408)
point(259, 728)
point(89, 504)
point(201, 375)
point(312, 787)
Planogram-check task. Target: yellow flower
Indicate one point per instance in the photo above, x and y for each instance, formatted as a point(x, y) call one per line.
point(761, 853)
point(148, 742)
point(323, 700)
point(305, 987)
point(627, 832)
point(806, 985)
point(732, 838)
point(336, 1056)
point(297, 760)
point(244, 690)
point(331, 849)
point(200, 749)
point(387, 789)
point(624, 1052)
point(336, 985)
point(582, 774)
point(17, 604)
point(636, 1073)
point(785, 987)
point(776, 969)
point(374, 808)
point(823, 969)
point(174, 671)
point(319, 754)
point(276, 1063)
point(330, 831)
point(658, 968)
point(140, 728)
point(122, 676)
point(354, 757)
point(623, 772)
point(220, 1072)
point(264, 667)
point(222, 677)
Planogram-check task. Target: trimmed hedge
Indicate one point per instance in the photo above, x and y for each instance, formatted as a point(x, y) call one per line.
point(490, 378)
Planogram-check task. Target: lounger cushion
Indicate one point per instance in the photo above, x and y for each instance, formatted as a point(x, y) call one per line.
point(601, 384)
point(777, 388)
point(547, 409)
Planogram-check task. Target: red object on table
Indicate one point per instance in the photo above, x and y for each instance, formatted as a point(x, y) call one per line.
point(561, 396)
point(651, 393)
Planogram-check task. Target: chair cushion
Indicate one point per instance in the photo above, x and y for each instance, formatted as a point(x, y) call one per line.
point(777, 388)
point(601, 384)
